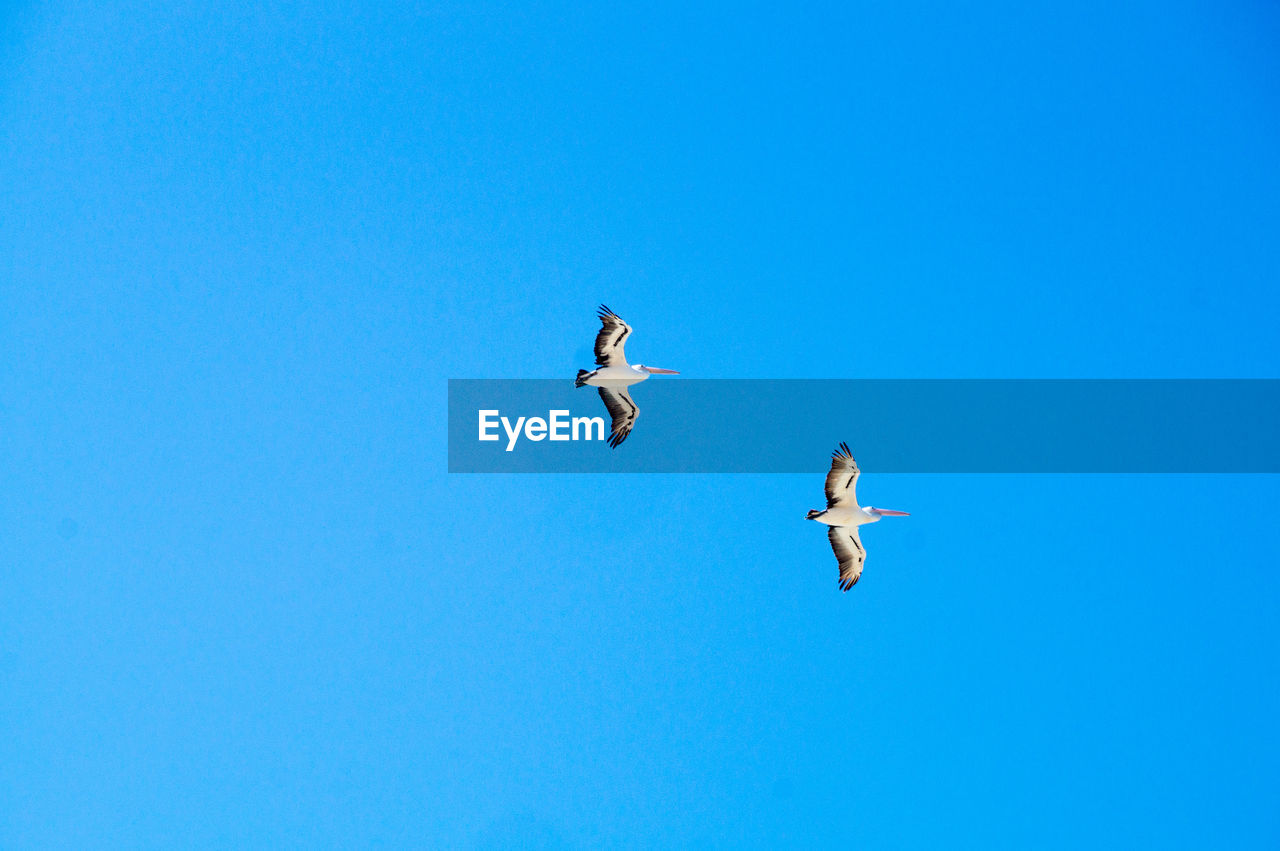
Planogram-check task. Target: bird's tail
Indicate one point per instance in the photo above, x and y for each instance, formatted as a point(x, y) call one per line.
point(580, 380)
point(813, 512)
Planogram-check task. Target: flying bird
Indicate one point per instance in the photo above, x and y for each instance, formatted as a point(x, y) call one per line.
point(613, 375)
point(843, 516)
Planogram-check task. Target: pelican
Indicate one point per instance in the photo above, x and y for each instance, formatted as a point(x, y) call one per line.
point(843, 516)
point(613, 375)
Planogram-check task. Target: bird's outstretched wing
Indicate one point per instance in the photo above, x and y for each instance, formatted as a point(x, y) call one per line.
point(622, 410)
point(849, 552)
point(842, 481)
point(611, 339)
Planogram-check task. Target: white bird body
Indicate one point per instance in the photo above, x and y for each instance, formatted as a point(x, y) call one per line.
point(843, 515)
point(613, 375)
point(621, 375)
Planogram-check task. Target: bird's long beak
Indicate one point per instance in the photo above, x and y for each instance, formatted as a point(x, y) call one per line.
point(889, 513)
point(660, 371)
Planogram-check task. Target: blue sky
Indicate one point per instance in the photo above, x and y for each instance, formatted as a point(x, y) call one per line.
point(241, 252)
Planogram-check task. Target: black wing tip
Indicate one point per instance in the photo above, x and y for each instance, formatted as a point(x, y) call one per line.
point(604, 312)
point(842, 451)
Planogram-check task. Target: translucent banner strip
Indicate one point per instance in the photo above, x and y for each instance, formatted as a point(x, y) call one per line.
point(893, 426)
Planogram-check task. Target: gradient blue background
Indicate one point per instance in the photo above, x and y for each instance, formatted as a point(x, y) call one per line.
point(243, 604)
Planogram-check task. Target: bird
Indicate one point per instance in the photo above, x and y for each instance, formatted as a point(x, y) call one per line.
point(613, 375)
point(843, 516)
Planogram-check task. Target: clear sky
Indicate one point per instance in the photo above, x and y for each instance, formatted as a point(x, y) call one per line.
point(242, 604)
